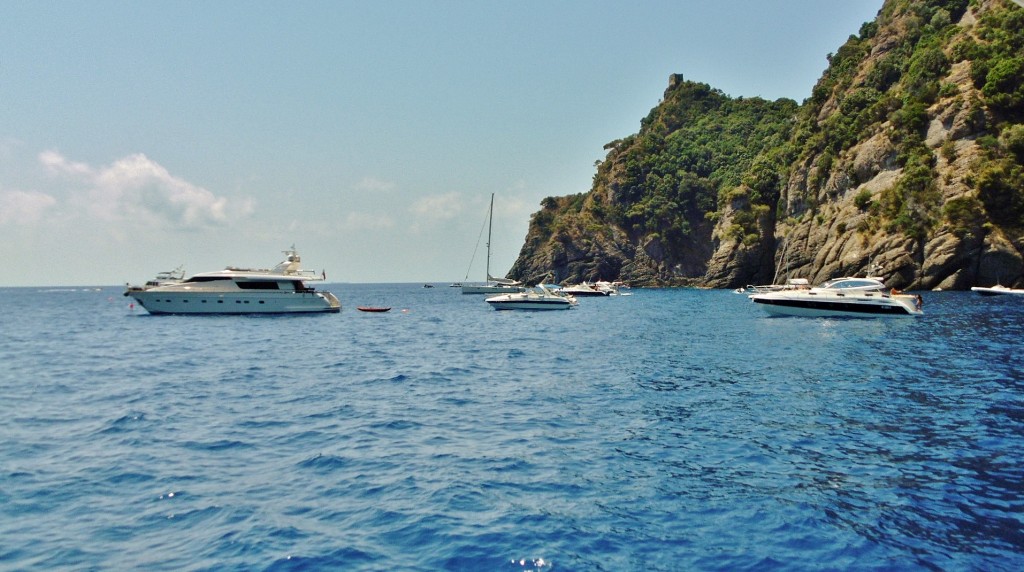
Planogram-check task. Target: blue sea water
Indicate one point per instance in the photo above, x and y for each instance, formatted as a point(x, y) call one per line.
point(667, 430)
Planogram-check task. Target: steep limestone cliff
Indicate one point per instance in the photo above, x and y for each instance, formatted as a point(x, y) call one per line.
point(908, 158)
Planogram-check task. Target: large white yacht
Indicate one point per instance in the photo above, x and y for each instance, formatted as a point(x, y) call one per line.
point(841, 297)
point(278, 290)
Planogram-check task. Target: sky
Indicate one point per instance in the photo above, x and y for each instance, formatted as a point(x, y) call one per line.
point(136, 137)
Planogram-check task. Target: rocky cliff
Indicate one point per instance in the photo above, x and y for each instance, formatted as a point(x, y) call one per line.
point(907, 158)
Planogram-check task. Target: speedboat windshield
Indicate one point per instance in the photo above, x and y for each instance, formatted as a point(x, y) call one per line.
point(854, 284)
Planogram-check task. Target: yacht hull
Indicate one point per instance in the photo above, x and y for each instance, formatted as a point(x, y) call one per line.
point(161, 302)
point(835, 306)
point(529, 305)
point(585, 293)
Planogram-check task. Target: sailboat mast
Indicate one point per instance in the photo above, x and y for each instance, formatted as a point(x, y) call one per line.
point(490, 216)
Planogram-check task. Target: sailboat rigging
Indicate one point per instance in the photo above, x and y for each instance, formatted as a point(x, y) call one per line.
point(492, 285)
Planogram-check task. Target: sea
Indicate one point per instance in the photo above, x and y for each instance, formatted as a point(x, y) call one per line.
point(671, 429)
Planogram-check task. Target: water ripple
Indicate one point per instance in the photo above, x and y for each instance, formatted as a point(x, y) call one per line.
point(669, 430)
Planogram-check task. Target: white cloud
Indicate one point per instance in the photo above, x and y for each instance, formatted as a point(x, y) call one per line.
point(24, 207)
point(137, 189)
point(56, 163)
point(513, 206)
point(374, 185)
point(438, 207)
point(363, 221)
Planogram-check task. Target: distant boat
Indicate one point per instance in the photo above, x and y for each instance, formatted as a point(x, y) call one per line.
point(428, 285)
point(492, 285)
point(372, 309)
point(612, 288)
point(997, 290)
point(165, 278)
point(585, 289)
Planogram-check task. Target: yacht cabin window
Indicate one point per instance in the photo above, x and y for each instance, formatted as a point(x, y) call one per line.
point(257, 285)
point(853, 283)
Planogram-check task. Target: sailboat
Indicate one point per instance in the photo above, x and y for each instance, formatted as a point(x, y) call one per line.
point(492, 285)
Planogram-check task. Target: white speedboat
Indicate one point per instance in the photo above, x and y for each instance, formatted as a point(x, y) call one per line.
point(612, 288)
point(585, 289)
point(841, 297)
point(997, 290)
point(540, 298)
point(278, 290)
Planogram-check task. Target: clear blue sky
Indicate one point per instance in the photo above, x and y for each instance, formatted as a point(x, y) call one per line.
point(139, 136)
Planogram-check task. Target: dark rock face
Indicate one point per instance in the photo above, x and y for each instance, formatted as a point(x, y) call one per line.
point(907, 161)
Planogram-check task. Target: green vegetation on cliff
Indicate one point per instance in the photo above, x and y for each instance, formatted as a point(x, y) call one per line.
point(913, 133)
point(696, 145)
point(895, 94)
point(661, 186)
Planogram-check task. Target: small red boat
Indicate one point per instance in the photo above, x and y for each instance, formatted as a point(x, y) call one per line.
point(371, 309)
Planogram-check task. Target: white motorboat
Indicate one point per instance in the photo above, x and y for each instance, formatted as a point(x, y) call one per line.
point(612, 288)
point(277, 290)
point(841, 297)
point(540, 298)
point(492, 285)
point(586, 289)
point(997, 290)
